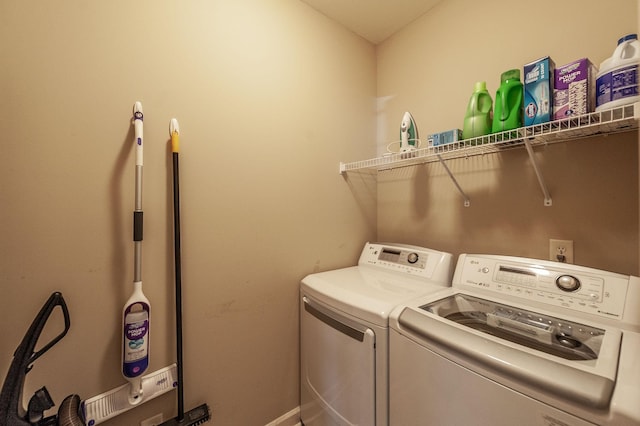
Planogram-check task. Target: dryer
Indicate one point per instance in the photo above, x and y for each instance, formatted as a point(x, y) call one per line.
point(344, 330)
point(519, 341)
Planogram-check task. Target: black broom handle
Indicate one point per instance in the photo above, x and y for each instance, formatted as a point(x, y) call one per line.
point(178, 274)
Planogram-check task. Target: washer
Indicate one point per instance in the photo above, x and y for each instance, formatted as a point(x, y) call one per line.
point(344, 330)
point(518, 341)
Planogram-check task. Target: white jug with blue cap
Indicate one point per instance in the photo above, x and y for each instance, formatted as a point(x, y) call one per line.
point(618, 77)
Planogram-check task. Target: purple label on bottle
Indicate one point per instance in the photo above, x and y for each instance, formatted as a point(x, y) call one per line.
point(135, 354)
point(603, 89)
point(618, 84)
point(624, 82)
point(136, 330)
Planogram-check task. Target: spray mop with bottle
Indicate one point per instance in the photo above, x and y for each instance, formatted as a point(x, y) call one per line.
point(538, 91)
point(142, 385)
point(135, 315)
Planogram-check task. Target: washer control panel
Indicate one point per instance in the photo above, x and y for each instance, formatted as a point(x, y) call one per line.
point(555, 282)
point(569, 286)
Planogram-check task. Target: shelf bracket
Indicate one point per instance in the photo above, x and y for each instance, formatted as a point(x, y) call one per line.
point(543, 186)
point(467, 201)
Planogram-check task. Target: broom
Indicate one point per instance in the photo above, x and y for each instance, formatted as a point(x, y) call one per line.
point(201, 413)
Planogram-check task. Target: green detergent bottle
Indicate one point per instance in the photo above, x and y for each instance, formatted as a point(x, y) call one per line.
point(477, 120)
point(509, 106)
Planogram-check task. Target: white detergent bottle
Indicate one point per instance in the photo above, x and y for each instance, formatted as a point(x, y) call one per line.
point(617, 80)
point(606, 64)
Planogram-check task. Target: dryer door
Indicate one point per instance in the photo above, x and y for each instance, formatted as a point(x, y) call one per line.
point(337, 368)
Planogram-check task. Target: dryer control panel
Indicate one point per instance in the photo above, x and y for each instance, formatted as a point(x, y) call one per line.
point(423, 262)
point(403, 257)
point(568, 286)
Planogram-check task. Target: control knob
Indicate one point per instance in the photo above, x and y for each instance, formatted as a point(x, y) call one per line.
point(412, 257)
point(567, 283)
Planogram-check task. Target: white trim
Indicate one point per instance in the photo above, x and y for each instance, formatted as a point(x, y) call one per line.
point(292, 418)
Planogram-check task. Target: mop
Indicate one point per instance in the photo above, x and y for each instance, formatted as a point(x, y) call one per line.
point(201, 413)
point(142, 386)
point(135, 348)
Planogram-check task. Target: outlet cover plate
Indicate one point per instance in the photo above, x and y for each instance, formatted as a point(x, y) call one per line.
point(561, 248)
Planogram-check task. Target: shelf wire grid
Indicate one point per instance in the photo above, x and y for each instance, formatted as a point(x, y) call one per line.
point(616, 120)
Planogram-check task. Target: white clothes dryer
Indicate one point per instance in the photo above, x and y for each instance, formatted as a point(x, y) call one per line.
point(344, 330)
point(518, 341)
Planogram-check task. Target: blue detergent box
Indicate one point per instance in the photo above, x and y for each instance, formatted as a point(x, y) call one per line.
point(538, 91)
point(443, 138)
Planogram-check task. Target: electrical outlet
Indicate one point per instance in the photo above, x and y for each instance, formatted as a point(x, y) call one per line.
point(152, 421)
point(561, 250)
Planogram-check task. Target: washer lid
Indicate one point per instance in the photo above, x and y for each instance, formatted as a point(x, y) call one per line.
point(529, 370)
point(553, 335)
point(365, 292)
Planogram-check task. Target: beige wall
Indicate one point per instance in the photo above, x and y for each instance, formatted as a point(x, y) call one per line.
point(270, 96)
point(430, 68)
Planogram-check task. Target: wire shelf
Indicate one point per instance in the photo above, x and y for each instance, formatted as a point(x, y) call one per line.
point(621, 119)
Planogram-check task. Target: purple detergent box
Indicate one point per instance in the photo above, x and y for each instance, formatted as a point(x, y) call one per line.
point(574, 89)
point(538, 91)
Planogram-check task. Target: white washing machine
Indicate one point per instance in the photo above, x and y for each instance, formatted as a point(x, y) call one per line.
point(344, 330)
point(518, 341)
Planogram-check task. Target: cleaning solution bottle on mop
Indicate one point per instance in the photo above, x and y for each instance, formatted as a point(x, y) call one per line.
point(509, 106)
point(479, 115)
point(135, 351)
point(617, 81)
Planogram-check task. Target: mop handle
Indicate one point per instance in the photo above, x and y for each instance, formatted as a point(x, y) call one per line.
point(137, 213)
point(174, 129)
point(138, 118)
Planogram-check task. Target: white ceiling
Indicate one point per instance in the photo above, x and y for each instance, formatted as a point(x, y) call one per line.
point(375, 20)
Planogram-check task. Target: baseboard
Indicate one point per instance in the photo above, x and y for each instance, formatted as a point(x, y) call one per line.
point(292, 418)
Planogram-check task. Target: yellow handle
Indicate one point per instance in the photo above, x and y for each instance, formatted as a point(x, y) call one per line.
point(175, 142)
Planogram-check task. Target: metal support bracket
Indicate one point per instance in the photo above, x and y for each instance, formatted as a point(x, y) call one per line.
point(545, 191)
point(467, 201)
